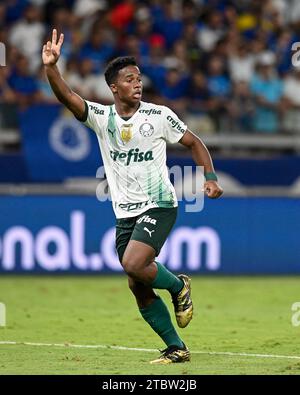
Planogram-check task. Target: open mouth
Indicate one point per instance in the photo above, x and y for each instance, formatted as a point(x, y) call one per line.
point(137, 95)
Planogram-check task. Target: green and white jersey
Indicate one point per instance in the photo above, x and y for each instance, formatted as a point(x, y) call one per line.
point(134, 155)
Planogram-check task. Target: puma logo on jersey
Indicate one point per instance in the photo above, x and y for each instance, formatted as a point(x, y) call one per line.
point(111, 132)
point(146, 218)
point(149, 231)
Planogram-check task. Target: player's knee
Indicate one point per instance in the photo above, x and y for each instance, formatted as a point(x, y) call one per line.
point(131, 266)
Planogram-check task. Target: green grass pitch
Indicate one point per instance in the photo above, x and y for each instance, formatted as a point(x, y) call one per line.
point(250, 315)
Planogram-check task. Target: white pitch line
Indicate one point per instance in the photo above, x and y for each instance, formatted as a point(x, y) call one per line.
point(243, 354)
point(77, 346)
point(66, 345)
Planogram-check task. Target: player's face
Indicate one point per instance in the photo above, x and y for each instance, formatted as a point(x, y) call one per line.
point(129, 86)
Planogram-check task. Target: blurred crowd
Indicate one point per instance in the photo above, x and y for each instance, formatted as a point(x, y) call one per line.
point(221, 65)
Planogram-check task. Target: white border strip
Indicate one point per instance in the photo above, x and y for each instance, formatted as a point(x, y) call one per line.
point(66, 345)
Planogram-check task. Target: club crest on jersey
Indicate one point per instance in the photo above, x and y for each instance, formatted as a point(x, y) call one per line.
point(126, 132)
point(146, 129)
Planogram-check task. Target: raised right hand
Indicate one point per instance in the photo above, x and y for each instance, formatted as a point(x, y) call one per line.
point(51, 50)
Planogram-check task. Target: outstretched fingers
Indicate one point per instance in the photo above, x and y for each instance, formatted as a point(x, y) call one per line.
point(51, 50)
point(54, 39)
point(61, 40)
point(54, 36)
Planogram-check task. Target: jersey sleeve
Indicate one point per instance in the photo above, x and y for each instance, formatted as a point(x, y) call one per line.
point(173, 128)
point(94, 116)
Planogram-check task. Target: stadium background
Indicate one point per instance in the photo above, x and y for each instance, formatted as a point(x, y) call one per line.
point(223, 66)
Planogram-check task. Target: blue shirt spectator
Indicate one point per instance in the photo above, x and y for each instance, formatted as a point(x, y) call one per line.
point(174, 86)
point(22, 84)
point(218, 83)
point(168, 24)
point(15, 10)
point(98, 50)
point(198, 94)
point(268, 90)
point(20, 79)
point(155, 71)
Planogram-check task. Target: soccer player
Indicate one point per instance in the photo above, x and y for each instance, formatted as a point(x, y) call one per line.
point(132, 135)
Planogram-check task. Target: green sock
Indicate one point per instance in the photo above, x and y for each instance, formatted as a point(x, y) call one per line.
point(166, 280)
point(158, 317)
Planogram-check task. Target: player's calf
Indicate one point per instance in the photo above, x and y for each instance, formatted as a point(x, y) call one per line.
point(144, 294)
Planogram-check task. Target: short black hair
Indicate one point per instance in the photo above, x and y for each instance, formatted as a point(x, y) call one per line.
point(115, 65)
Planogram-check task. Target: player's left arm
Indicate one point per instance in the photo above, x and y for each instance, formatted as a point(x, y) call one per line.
point(201, 157)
